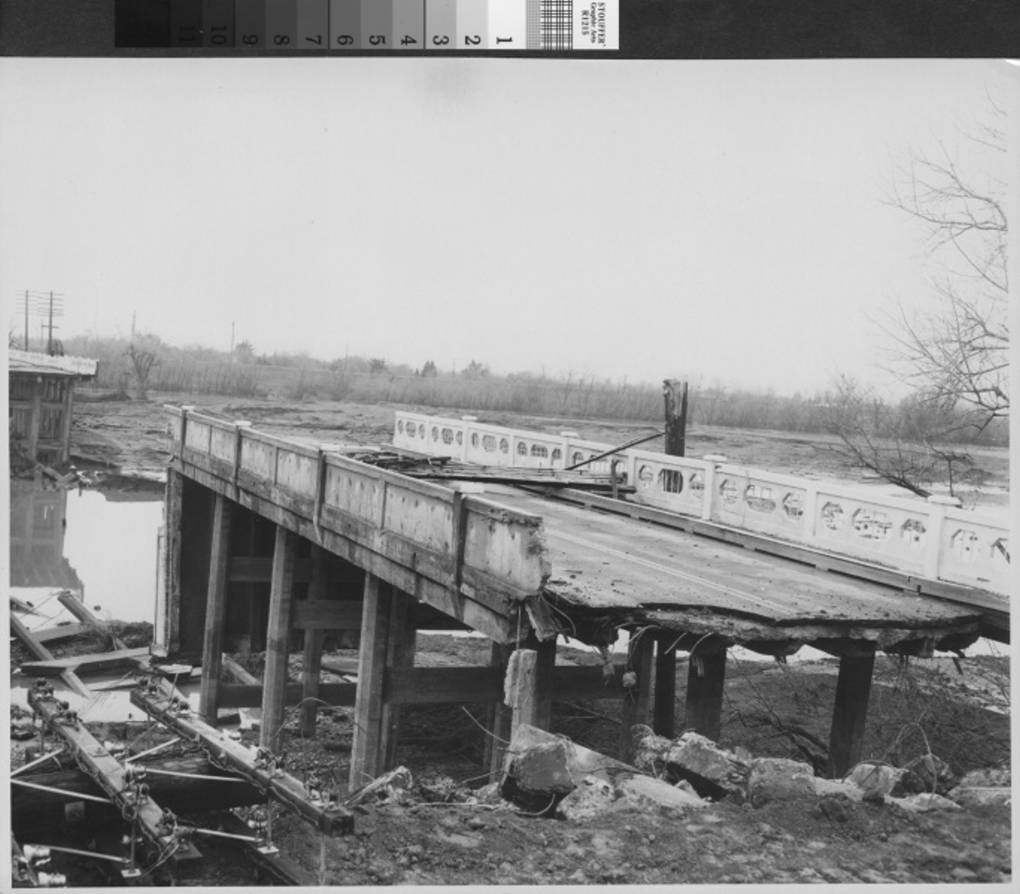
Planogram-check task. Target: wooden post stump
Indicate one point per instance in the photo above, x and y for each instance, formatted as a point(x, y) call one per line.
point(499, 716)
point(281, 597)
point(705, 678)
point(215, 611)
point(635, 702)
point(664, 713)
point(853, 689)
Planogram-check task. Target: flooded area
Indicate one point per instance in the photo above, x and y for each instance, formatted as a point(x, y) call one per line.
point(101, 545)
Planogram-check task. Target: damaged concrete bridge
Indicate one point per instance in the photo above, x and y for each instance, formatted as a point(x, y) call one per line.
point(268, 543)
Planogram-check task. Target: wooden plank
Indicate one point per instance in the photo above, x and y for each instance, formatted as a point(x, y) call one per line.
point(237, 673)
point(853, 689)
point(249, 695)
point(81, 611)
point(68, 676)
point(635, 702)
point(87, 663)
point(366, 749)
point(281, 596)
point(215, 610)
point(706, 675)
point(664, 713)
point(441, 685)
point(311, 659)
point(61, 631)
point(327, 614)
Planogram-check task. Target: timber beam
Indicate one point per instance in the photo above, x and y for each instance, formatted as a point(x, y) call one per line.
point(254, 765)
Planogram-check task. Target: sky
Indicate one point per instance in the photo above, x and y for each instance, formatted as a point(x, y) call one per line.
point(721, 221)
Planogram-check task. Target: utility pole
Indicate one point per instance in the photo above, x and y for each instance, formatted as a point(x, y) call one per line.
point(231, 336)
point(674, 393)
point(26, 319)
point(49, 340)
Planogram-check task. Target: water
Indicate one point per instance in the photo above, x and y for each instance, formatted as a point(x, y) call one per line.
point(101, 547)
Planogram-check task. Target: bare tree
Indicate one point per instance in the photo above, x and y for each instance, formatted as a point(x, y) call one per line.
point(142, 363)
point(911, 444)
point(959, 350)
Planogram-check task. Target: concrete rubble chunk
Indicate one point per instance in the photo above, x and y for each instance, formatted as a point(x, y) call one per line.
point(923, 803)
point(927, 773)
point(876, 781)
point(543, 771)
point(992, 777)
point(779, 779)
point(391, 786)
point(837, 787)
point(713, 771)
point(982, 795)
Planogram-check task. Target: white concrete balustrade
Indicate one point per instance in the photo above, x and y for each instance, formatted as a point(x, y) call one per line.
point(932, 538)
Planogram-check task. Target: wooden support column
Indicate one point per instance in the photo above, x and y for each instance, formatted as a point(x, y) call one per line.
point(635, 702)
point(35, 420)
point(529, 693)
point(664, 714)
point(705, 677)
point(499, 716)
point(65, 423)
point(173, 507)
point(311, 663)
point(853, 688)
point(399, 654)
point(367, 753)
point(281, 597)
point(215, 611)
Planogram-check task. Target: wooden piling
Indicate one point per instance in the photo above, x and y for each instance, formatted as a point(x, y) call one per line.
point(853, 689)
point(635, 703)
point(521, 688)
point(664, 712)
point(675, 399)
point(215, 610)
point(173, 507)
point(499, 716)
point(705, 678)
point(367, 755)
point(281, 597)
point(311, 663)
point(399, 654)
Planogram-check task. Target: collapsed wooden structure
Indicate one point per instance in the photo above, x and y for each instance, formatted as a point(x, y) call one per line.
point(269, 543)
point(41, 401)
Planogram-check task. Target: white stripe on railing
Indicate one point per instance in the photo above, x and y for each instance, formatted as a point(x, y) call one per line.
point(932, 538)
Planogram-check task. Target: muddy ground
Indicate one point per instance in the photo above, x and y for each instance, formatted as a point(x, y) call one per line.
point(452, 830)
point(132, 434)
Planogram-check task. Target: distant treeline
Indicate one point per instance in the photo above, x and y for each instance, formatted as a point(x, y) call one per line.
point(199, 370)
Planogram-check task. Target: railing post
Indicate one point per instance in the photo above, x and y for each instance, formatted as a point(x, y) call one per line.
point(810, 511)
point(708, 501)
point(937, 506)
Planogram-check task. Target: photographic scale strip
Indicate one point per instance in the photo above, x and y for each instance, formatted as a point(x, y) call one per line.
point(338, 26)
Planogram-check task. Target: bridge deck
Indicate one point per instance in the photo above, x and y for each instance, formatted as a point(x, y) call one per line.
point(614, 565)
